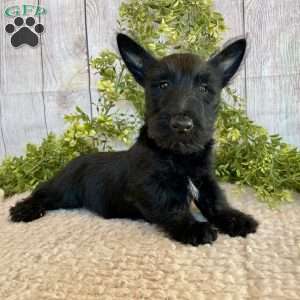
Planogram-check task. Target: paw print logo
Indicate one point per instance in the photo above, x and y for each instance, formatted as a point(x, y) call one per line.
point(23, 34)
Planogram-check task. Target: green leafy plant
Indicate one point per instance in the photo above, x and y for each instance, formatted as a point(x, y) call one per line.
point(245, 153)
point(41, 162)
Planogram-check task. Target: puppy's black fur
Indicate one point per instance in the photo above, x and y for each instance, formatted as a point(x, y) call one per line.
point(152, 180)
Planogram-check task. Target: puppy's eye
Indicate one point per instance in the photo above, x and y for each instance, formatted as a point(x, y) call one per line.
point(203, 88)
point(163, 84)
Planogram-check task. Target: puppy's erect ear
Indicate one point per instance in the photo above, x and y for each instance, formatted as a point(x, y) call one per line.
point(136, 58)
point(229, 59)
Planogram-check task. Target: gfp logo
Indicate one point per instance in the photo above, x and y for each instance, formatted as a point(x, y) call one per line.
point(24, 29)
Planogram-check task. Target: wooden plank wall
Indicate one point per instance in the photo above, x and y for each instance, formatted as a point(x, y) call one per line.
point(39, 85)
point(269, 79)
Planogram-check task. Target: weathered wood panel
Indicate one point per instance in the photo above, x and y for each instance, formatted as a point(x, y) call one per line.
point(2, 145)
point(22, 106)
point(276, 105)
point(65, 61)
point(39, 85)
point(102, 24)
point(274, 33)
point(102, 28)
point(272, 66)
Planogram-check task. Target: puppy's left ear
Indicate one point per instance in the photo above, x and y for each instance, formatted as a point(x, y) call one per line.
point(229, 59)
point(136, 58)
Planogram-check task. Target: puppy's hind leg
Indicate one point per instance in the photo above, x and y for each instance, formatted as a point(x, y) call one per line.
point(27, 210)
point(34, 206)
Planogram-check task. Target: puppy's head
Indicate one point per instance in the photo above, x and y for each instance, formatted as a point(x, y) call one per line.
point(182, 92)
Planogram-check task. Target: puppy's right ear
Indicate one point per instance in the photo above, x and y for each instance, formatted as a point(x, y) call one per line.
point(229, 59)
point(136, 58)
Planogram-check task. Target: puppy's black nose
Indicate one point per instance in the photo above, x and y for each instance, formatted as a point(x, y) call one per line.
point(182, 124)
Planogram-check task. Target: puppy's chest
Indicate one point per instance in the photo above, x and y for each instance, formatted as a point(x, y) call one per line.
point(193, 192)
point(181, 177)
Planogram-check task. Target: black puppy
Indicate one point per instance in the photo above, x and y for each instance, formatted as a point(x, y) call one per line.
point(153, 179)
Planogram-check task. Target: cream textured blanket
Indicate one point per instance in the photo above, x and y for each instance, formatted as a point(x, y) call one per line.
point(77, 255)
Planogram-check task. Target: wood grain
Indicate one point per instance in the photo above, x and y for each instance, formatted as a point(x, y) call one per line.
point(232, 11)
point(38, 86)
point(2, 144)
point(102, 28)
point(102, 25)
point(65, 61)
point(22, 107)
point(272, 66)
point(274, 32)
point(276, 105)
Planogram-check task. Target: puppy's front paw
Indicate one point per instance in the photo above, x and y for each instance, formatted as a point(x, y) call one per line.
point(235, 223)
point(197, 234)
